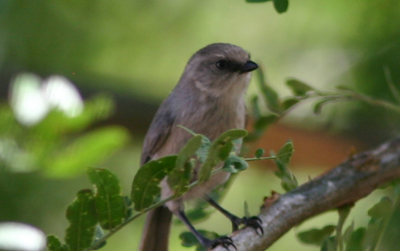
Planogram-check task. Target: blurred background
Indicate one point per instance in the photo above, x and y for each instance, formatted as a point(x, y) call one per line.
point(124, 57)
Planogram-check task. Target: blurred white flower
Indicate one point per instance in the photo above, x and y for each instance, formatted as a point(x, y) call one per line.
point(19, 236)
point(32, 99)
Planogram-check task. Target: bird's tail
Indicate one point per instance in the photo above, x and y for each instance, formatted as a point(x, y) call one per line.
point(156, 230)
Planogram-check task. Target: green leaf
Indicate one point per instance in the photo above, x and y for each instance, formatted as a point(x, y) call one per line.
point(82, 219)
point(356, 240)
point(348, 232)
point(373, 231)
point(234, 164)
point(145, 186)
point(270, 95)
point(299, 88)
point(281, 5)
point(381, 209)
point(110, 205)
point(54, 244)
point(320, 104)
point(259, 152)
point(87, 150)
point(219, 151)
point(179, 180)
point(316, 236)
point(285, 153)
point(289, 102)
point(329, 244)
point(181, 176)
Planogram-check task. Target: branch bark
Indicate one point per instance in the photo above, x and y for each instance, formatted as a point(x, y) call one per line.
point(350, 181)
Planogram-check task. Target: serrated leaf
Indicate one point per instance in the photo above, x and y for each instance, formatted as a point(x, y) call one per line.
point(281, 5)
point(356, 240)
point(270, 95)
point(316, 236)
point(219, 151)
point(259, 153)
point(381, 209)
point(54, 244)
point(110, 205)
point(285, 153)
point(234, 164)
point(145, 186)
point(299, 88)
point(82, 219)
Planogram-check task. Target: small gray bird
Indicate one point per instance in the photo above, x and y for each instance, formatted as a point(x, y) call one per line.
point(209, 99)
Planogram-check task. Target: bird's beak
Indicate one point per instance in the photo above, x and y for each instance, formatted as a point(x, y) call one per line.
point(248, 67)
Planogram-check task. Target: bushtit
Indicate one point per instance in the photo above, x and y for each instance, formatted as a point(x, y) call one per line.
point(209, 99)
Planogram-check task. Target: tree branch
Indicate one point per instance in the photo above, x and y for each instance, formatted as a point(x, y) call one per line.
point(348, 182)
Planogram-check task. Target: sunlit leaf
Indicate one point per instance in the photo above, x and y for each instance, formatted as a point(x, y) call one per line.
point(145, 186)
point(110, 205)
point(82, 219)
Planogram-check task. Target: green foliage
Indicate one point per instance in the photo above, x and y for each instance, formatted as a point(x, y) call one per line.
point(82, 219)
point(110, 205)
point(219, 151)
point(57, 145)
point(145, 186)
point(54, 244)
point(181, 176)
point(282, 160)
point(316, 236)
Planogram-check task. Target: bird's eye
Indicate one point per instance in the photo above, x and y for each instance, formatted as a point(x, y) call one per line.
point(222, 64)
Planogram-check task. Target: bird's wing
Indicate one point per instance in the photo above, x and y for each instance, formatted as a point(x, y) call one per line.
point(159, 131)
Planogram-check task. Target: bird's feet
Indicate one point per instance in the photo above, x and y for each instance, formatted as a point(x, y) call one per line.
point(224, 241)
point(253, 222)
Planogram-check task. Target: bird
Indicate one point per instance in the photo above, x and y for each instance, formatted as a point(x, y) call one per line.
point(209, 99)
